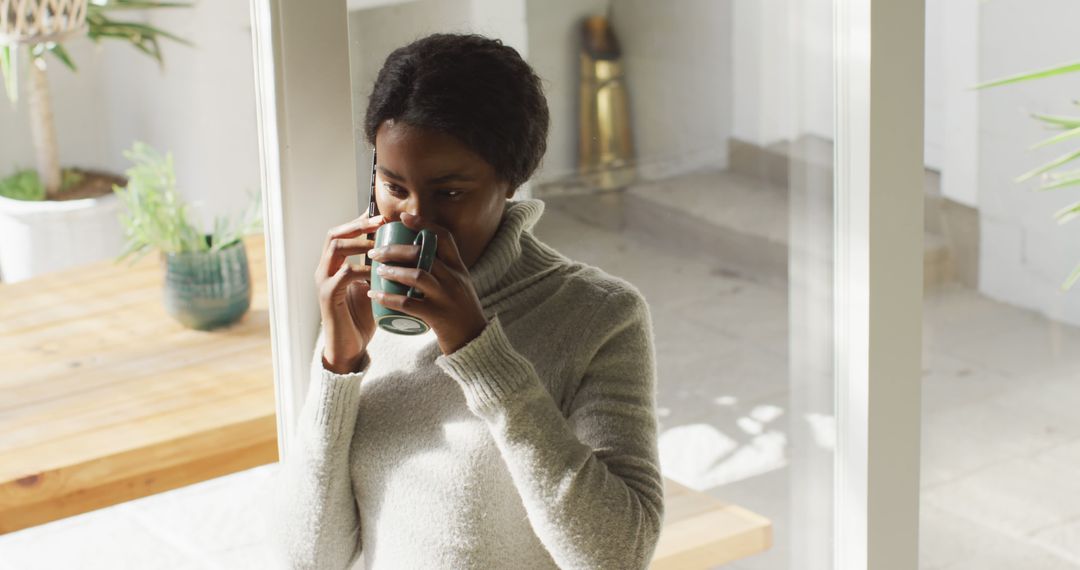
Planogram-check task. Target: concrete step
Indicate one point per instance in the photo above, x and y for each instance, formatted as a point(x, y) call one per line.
point(740, 220)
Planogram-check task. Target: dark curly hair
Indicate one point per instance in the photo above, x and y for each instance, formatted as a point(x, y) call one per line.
point(471, 87)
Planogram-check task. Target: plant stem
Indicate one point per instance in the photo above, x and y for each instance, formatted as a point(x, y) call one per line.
point(43, 130)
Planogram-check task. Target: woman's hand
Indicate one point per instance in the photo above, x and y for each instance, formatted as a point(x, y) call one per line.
point(449, 304)
point(346, 310)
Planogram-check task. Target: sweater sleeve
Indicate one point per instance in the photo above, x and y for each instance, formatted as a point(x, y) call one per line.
point(317, 522)
point(590, 482)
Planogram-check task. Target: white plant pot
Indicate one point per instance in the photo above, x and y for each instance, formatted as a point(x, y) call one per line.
point(46, 236)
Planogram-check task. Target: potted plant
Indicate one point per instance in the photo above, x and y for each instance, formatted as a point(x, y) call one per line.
point(207, 278)
point(1071, 130)
point(53, 217)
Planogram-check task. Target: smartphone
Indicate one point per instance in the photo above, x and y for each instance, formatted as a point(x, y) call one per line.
point(373, 206)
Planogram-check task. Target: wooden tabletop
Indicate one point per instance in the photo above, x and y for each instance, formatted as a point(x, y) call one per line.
point(701, 531)
point(104, 398)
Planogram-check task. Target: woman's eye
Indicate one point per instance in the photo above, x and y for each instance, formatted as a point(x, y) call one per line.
point(399, 191)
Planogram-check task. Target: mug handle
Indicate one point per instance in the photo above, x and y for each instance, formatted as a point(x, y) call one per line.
point(428, 243)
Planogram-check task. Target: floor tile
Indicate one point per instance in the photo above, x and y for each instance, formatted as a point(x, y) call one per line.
point(1015, 423)
point(692, 376)
point(950, 382)
point(947, 541)
point(752, 312)
point(1025, 347)
point(1012, 555)
point(648, 266)
point(1062, 540)
point(1016, 497)
point(953, 314)
point(733, 442)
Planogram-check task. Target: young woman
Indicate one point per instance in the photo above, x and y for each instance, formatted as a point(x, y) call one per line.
point(520, 431)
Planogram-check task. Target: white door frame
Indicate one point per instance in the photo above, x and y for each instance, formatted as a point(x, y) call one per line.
point(309, 183)
point(878, 50)
point(308, 168)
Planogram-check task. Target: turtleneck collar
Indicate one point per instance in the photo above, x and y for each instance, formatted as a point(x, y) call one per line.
point(514, 258)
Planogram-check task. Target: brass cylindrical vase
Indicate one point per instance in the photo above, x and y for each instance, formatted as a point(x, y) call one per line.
point(605, 141)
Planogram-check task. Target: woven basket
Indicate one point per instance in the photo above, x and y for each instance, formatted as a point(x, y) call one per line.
point(36, 21)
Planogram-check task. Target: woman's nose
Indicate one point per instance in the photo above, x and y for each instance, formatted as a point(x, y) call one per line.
point(414, 207)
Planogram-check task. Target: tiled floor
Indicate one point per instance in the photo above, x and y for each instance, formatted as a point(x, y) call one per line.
point(1001, 436)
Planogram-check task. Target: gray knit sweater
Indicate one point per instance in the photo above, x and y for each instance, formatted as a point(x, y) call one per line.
point(533, 446)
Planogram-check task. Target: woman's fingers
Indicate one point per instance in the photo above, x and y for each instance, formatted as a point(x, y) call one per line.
point(446, 247)
point(418, 307)
point(401, 253)
point(343, 241)
point(340, 248)
point(424, 282)
point(337, 282)
point(362, 224)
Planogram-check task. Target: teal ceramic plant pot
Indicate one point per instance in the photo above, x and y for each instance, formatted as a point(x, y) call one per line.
point(206, 290)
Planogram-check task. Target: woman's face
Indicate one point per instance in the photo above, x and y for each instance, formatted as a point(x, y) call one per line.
point(432, 175)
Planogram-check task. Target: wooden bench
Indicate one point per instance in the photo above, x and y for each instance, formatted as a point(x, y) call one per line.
point(701, 531)
point(104, 398)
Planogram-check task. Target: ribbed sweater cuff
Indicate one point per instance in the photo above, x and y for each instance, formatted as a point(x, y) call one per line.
point(337, 396)
point(488, 369)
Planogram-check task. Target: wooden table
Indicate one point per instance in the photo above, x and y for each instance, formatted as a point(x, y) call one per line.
point(701, 531)
point(104, 398)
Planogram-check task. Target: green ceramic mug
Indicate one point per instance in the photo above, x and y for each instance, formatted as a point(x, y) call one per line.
point(389, 319)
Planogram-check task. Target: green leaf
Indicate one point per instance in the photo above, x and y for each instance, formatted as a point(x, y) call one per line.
point(23, 185)
point(1072, 278)
point(146, 31)
point(1071, 181)
point(1066, 122)
point(61, 54)
point(1049, 72)
point(1063, 174)
point(143, 37)
point(1071, 133)
point(1068, 212)
point(1052, 164)
point(8, 65)
point(156, 217)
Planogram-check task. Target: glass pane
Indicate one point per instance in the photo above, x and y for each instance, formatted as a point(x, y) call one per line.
point(136, 395)
point(1001, 459)
point(690, 153)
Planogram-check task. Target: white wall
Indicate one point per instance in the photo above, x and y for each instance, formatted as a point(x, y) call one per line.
point(553, 54)
point(763, 71)
point(77, 106)
point(679, 64)
point(952, 107)
point(678, 71)
point(541, 31)
point(377, 30)
point(201, 107)
point(678, 67)
point(778, 44)
point(1025, 254)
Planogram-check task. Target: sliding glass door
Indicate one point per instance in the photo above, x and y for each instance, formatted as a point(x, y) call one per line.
point(753, 168)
